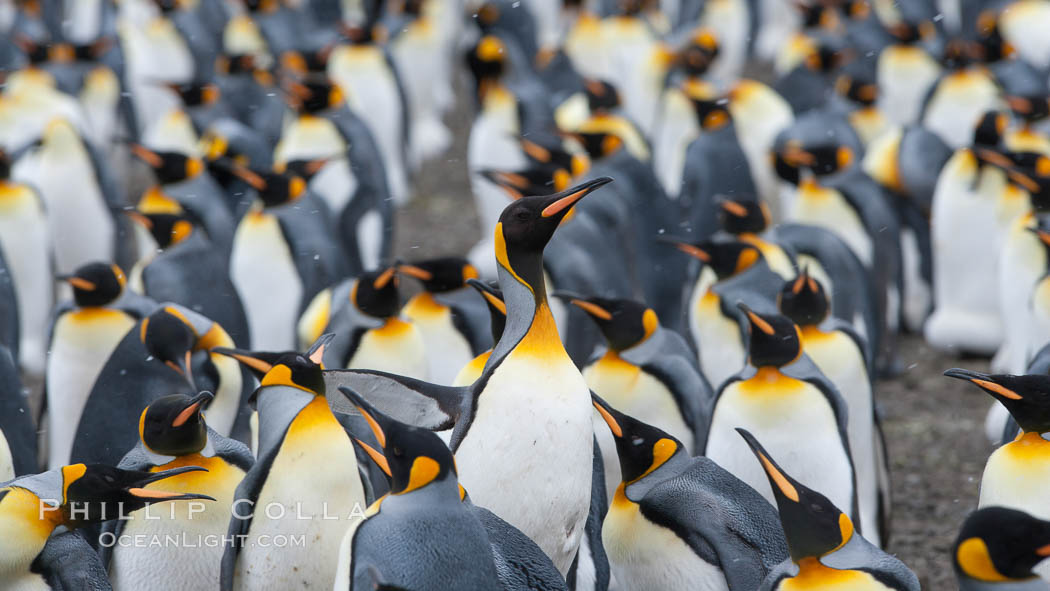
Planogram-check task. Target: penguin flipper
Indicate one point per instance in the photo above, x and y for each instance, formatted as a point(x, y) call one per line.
point(68, 563)
point(408, 400)
point(591, 557)
point(520, 564)
point(16, 420)
point(726, 522)
point(860, 554)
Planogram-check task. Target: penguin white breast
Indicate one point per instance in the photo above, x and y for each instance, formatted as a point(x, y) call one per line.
point(643, 555)
point(78, 218)
point(222, 411)
point(492, 144)
point(1017, 475)
point(396, 347)
point(958, 103)
point(26, 247)
point(718, 337)
point(176, 546)
point(447, 350)
point(828, 208)
point(674, 130)
point(7, 464)
point(532, 433)
point(1024, 25)
point(312, 490)
point(267, 280)
point(82, 342)
point(316, 137)
point(22, 537)
point(904, 76)
point(795, 422)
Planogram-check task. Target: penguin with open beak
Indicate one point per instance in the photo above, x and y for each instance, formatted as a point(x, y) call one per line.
point(825, 550)
point(72, 496)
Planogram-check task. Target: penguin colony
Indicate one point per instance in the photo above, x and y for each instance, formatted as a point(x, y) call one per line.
point(668, 385)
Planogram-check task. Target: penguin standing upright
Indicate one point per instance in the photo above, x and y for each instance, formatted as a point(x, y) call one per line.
point(284, 253)
point(905, 69)
point(1016, 474)
point(77, 200)
point(979, 202)
point(364, 315)
point(653, 533)
point(447, 315)
point(421, 534)
point(959, 99)
point(366, 74)
point(26, 244)
point(529, 381)
point(780, 393)
point(841, 355)
point(999, 548)
point(82, 340)
point(826, 551)
point(305, 460)
point(71, 496)
point(173, 434)
point(645, 371)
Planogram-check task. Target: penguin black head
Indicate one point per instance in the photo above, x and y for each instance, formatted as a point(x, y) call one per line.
point(170, 339)
point(412, 457)
point(5, 166)
point(168, 167)
point(744, 216)
point(95, 492)
point(304, 169)
point(803, 300)
point(822, 159)
point(813, 525)
point(313, 94)
point(287, 368)
point(1029, 108)
point(540, 180)
point(909, 32)
point(196, 94)
point(376, 293)
point(174, 426)
point(167, 229)
point(274, 188)
point(624, 323)
point(997, 544)
point(697, 56)
point(486, 61)
point(828, 54)
point(726, 259)
point(441, 274)
point(598, 144)
point(601, 95)
point(641, 448)
point(96, 284)
point(552, 153)
point(858, 87)
point(242, 64)
point(1027, 397)
point(990, 128)
point(526, 225)
point(304, 63)
point(712, 109)
point(775, 340)
point(497, 307)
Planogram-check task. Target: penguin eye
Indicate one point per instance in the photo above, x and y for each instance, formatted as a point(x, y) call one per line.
point(522, 215)
point(398, 452)
point(109, 479)
point(816, 508)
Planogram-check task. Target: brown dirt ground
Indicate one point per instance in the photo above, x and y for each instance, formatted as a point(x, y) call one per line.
point(933, 425)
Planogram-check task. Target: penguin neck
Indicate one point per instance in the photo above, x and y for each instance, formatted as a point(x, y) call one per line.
point(37, 522)
point(530, 323)
point(637, 489)
point(443, 490)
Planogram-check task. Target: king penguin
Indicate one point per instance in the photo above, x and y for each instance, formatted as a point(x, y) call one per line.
point(748, 219)
point(26, 243)
point(170, 350)
point(173, 434)
point(645, 371)
point(785, 398)
point(529, 374)
point(1016, 474)
point(447, 314)
point(660, 532)
point(421, 535)
point(826, 552)
point(33, 507)
point(82, 340)
point(370, 333)
point(840, 354)
point(305, 460)
point(999, 548)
